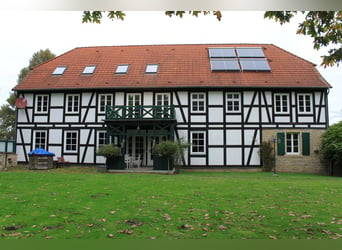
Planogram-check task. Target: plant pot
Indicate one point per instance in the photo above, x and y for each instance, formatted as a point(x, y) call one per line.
point(116, 162)
point(161, 163)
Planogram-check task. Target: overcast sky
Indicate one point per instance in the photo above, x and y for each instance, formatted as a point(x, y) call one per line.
point(26, 32)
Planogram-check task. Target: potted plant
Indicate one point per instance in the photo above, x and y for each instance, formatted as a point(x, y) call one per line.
point(165, 154)
point(114, 158)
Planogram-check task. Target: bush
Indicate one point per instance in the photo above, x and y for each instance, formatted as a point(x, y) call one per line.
point(108, 150)
point(167, 149)
point(331, 144)
point(266, 156)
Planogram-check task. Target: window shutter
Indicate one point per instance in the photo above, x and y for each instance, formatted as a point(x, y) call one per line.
point(306, 143)
point(281, 143)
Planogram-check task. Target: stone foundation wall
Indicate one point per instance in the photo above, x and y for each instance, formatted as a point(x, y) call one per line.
point(11, 160)
point(313, 163)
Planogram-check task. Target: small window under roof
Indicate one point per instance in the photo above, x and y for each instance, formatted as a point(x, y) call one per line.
point(89, 69)
point(250, 52)
point(59, 70)
point(122, 69)
point(221, 52)
point(151, 68)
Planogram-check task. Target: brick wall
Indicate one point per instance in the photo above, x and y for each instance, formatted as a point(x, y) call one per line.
point(313, 163)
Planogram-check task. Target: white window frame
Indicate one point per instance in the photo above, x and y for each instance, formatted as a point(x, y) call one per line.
point(39, 137)
point(73, 144)
point(305, 106)
point(122, 69)
point(89, 70)
point(152, 68)
point(281, 104)
point(59, 70)
point(42, 104)
point(197, 146)
point(102, 138)
point(74, 106)
point(108, 100)
point(235, 102)
point(196, 101)
point(292, 143)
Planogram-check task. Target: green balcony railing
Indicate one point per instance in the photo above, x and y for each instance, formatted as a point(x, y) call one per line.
point(162, 112)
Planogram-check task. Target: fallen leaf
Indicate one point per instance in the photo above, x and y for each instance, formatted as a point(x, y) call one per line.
point(221, 227)
point(126, 231)
point(110, 235)
point(272, 237)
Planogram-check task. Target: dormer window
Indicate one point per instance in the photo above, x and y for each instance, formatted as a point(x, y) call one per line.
point(122, 69)
point(59, 70)
point(151, 68)
point(89, 69)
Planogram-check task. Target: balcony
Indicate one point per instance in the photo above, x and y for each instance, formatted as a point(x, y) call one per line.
point(141, 112)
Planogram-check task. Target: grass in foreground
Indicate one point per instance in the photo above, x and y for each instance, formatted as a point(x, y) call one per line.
point(79, 203)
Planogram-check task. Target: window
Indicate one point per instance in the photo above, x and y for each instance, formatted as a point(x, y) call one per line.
point(198, 142)
point(104, 100)
point(42, 103)
point(292, 142)
point(73, 103)
point(151, 68)
point(70, 141)
point(134, 102)
point(59, 70)
point(304, 103)
point(102, 138)
point(40, 139)
point(89, 69)
point(122, 69)
point(163, 102)
point(281, 103)
point(198, 102)
point(233, 102)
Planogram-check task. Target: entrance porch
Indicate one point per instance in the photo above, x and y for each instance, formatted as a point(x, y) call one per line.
point(136, 130)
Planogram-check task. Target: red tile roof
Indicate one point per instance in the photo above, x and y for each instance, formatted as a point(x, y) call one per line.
point(179, 66)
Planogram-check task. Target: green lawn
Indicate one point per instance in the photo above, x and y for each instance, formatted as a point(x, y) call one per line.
point(71, 203)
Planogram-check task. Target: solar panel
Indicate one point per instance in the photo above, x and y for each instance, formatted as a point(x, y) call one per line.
point(254, 64)
point(250, 52)
point(221, 52)
point(225, 65)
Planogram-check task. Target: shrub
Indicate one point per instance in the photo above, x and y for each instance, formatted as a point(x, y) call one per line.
point(108, 150)
point(167, 149)
point(266, 156)
point(331, 144)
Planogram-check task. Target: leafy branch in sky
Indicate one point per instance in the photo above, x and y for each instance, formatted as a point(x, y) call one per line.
point(325, 27)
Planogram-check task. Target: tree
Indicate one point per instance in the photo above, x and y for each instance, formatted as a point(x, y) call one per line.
point(325, 27)
point(7, 111)
point(7, 116)
point(37, 58)
point(331, 144)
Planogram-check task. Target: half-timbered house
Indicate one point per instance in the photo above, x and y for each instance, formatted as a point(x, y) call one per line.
point(224, 99)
